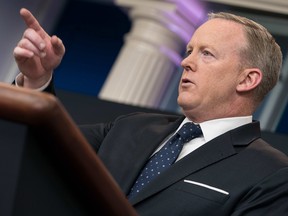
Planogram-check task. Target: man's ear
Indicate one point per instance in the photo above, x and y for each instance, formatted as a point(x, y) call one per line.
point(249, 79)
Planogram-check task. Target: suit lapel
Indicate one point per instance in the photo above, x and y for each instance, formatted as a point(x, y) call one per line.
point(146, 142)
point(212, 152)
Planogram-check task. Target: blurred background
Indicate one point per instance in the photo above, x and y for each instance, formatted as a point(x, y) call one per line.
point(129, 51)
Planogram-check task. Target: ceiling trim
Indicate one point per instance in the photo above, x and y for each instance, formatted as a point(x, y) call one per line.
point(276, 6)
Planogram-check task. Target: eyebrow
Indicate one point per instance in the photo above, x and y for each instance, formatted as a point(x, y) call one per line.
point(201, 47)
point(188, 47)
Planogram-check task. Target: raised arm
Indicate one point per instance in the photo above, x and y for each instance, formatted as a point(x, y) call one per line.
point(37, 54)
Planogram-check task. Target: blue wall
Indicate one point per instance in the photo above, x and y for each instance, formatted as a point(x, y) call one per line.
point(93, 35)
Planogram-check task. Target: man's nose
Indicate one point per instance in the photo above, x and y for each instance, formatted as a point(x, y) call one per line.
point(188, 63)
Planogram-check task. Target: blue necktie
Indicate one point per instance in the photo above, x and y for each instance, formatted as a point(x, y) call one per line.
point(166, 156)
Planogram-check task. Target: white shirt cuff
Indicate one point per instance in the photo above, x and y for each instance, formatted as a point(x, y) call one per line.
point(20, 79)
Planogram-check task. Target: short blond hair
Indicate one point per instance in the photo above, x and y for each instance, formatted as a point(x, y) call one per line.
point(261, 52)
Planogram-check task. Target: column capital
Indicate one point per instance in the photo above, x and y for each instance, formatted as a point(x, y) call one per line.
point(179, 16)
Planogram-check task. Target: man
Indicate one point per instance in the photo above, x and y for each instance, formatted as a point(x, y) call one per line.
point(231, 64)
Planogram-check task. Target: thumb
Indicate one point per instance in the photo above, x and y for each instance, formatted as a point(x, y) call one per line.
point(58, 46)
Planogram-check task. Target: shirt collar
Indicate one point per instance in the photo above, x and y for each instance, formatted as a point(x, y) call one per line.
point(216, 127)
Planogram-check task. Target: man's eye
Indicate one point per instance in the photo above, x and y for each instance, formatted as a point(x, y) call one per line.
point(188, 52)
point(207, 53)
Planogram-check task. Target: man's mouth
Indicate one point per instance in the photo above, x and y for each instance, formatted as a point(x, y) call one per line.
point(186, 81)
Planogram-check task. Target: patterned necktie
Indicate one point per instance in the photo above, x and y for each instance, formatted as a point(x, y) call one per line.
point(166, 156)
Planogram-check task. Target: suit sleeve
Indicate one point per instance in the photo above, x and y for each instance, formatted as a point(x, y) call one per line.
point(50, 88)
point(269, 197)
point(96, 133)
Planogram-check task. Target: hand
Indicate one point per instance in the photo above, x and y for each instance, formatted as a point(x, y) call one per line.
point(37, 54)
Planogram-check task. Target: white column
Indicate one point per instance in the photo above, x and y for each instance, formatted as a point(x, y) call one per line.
point(151, 53)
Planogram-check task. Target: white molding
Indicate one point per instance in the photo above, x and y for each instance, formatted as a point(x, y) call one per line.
point(156, 4)
point(276, 6)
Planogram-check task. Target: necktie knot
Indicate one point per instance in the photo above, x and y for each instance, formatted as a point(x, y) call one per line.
point(189, 131)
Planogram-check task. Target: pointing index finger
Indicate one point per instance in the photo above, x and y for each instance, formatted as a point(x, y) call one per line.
point(31, 22)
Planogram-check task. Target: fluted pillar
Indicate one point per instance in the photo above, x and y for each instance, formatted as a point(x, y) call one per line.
point(151, 52)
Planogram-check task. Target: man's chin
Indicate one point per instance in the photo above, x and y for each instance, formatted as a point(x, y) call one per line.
point(183, 100)
point(185, 107)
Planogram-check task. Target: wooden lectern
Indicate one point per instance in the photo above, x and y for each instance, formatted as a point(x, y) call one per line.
point(46, 165)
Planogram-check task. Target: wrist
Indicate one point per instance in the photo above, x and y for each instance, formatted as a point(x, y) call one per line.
point(19, 80)
point(37, 85)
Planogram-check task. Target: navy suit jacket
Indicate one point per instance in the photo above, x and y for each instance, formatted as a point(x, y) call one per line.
point(236, 173)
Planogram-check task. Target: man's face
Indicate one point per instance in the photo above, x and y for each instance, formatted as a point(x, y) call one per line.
point(207, 89)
